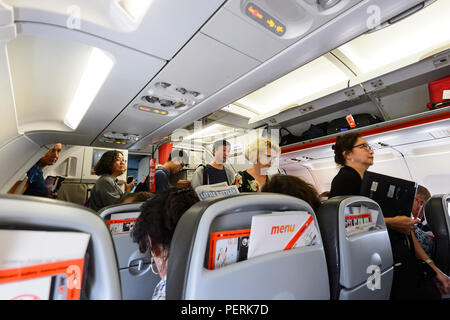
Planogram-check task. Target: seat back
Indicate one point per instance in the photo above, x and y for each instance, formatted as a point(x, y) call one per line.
point(437, 213)
point(34, 213)
point(352, 257)
point(73, 192)
point(137, 280)
point(299, 273)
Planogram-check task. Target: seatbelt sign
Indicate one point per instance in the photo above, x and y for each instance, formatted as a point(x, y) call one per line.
point(151, 175)
point(351, 122)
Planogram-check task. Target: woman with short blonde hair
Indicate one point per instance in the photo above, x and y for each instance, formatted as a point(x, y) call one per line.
point(261, 153)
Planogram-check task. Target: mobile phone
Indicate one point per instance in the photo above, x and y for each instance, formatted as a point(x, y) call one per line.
point(129, 179)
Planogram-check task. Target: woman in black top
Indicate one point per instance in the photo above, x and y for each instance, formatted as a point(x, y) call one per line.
point(355, 156)
point(261, 153)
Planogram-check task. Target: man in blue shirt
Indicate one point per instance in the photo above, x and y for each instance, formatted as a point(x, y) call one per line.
point(177, 160)
point(36, 181)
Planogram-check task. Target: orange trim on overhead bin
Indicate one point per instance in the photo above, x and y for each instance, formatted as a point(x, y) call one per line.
point(369, 132)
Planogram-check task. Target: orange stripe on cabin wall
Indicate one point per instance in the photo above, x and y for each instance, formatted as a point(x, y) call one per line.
point(369, 132)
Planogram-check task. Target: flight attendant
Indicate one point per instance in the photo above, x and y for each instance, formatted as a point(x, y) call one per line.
point(355, 156)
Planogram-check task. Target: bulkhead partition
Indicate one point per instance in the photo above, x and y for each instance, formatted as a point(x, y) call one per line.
point(137, 280)
point(437, 214)
point(35, 213)
point(357, 246)
point(299, 273)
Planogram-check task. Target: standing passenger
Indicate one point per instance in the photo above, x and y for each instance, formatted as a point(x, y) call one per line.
point(216, 171)
point(106, 191)
point(177, 160)
point(36, 181)
point(261, 153)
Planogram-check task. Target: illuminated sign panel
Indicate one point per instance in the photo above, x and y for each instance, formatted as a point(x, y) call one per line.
point(154, 110)
point(264, 19)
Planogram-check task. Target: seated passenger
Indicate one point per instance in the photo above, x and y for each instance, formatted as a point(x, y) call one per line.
point(423, 232)
point(177, 160)
point(261, 153)
point(36, 182)
point(295, 187)
point(156, 225)
point(410, 281)
point(141, 196)
point(106, 191)
point(216, 171)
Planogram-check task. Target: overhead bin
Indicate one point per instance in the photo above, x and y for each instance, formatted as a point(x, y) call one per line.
point(155, 27)
point(362, 61)
point(343, 28)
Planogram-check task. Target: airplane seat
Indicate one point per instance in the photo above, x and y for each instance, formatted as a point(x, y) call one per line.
point(437, 210)
point(299, 273)
point(38, 214)
point(137, 280)
point(73, 192)
point(352, 255)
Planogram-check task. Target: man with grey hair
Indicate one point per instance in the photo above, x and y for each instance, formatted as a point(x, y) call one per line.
point(216, 171)
point(423, 232)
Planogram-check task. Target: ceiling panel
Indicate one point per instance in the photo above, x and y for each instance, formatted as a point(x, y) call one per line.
point(204, 66)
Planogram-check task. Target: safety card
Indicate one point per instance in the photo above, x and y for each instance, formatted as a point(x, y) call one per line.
point(360, 219)
point(226, 247)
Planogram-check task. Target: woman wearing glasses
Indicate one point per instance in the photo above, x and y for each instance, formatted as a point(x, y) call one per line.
point(355, 156)
point(155, 228)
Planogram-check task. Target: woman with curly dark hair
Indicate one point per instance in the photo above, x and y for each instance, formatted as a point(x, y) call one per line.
point(295, 187)
point(106, 191)
point(156, 225)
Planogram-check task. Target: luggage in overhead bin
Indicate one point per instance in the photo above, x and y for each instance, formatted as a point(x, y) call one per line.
point(351, 121)
point(286, 137)
point(315, 131)
point(439, 92)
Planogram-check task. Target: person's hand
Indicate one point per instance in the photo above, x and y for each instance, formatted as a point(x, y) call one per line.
point(443, 282)
point(129, 186)
point(402, 224)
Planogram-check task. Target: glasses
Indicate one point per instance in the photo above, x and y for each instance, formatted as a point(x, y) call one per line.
point(364, 146)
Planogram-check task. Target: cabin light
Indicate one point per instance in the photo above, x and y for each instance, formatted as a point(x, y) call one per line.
point(309, 82)
point(136, 8)
point(95, 73)
point(403, 43)
point(211, 131)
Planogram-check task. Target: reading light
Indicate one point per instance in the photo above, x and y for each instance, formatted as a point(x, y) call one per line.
point(136, 8)
point(97, 69)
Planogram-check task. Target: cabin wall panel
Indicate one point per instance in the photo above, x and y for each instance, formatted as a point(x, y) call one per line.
point(16, 158)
